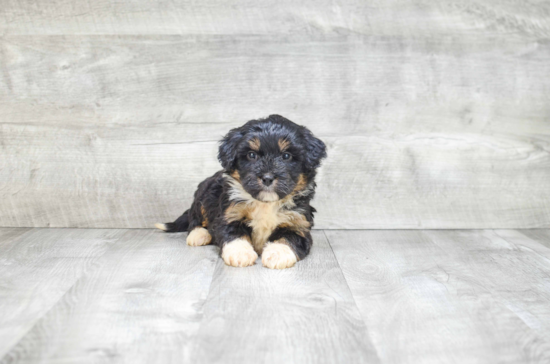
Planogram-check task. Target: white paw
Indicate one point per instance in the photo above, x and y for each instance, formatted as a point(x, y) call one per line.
point(278, 256)
point(199, 236)
point(239, 253)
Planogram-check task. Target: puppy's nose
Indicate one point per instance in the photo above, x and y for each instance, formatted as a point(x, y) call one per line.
point(268, 178)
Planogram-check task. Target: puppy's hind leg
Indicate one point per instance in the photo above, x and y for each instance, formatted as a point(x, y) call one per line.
point(197, 237)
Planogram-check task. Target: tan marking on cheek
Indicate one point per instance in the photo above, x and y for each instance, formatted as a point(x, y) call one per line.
point(278, 255)
point(254, 144)
point(283, 144)
point(199, 236)
point(239, 253)
point(301, 184)
point(235, 174)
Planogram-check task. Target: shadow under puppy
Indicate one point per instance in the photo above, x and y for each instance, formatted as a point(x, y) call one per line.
point(259, 202)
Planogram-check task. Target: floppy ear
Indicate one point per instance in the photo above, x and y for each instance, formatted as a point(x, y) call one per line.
point(315, 150)
point(228, 150)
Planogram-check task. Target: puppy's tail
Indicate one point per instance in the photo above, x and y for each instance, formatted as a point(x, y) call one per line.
point(181, 224)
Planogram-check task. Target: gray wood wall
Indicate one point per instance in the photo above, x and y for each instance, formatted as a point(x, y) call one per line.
point(436, 113)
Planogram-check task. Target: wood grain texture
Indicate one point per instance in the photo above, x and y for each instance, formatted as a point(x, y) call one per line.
point(304, 314)
point(513, 271)
point(393, 296)
point(449, 296)
point(141, 301)
point(395, 17)
point(423, 132)
point(36, 270)
point(542, 236)
point(7, 235)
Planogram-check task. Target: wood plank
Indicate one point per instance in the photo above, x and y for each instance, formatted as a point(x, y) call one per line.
point(38, 268)
point(304, 314)
point(161, 88)
point(117, 131)
point(8, 235)
point(542, 236)
point(446, 296)
point(141, 302)
point(536, 241)
point(514, 270)
point(426, 17)
point(434, 181)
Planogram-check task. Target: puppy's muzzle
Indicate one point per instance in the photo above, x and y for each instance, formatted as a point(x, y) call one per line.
point(267, 179)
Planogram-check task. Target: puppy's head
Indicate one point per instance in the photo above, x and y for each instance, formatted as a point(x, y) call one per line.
point(271, 157)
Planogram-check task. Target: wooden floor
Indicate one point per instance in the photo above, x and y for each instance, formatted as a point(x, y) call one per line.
point(362, 296)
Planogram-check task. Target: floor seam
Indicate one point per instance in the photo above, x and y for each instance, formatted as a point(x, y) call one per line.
point(45, 314)
point(353, 297)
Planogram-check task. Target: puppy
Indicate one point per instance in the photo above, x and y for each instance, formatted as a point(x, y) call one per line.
point(259, 202)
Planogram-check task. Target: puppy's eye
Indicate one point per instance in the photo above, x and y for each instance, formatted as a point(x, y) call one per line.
point(251, 156)
point(286, 156)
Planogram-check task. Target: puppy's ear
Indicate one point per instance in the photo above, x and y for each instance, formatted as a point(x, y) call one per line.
point(315, 150)
point(228, 150)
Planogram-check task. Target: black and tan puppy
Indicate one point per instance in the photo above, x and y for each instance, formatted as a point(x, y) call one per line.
point(259, 202)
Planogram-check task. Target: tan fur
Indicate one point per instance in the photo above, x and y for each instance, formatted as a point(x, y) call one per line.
point(160, 226)
point(299, 225)
point(278, 255)
point(204, 217)
point(283, 144)
point(265, 217)
point(254, 144)
point(300, 185)
point(235, 174)
point(199, 236)
point(239, 253)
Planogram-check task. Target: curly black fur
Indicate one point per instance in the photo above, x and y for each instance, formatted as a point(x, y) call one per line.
point(273, 159)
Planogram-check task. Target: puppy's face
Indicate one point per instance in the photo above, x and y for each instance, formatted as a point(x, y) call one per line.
point(272, 157)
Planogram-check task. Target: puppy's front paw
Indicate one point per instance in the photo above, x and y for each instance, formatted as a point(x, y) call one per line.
point(278, 256)
point(239, 253)
point(199, 236)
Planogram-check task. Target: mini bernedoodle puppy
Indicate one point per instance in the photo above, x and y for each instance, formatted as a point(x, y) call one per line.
point(259, 202)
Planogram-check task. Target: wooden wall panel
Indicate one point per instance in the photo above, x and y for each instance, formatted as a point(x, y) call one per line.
point(438, 118)
point(381, 17)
